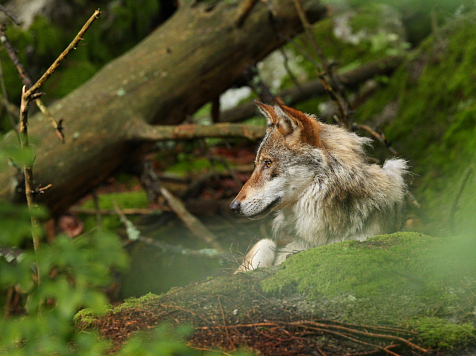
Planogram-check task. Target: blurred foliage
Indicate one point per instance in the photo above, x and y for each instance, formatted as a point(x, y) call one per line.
point(122, 24)
point(72, 274)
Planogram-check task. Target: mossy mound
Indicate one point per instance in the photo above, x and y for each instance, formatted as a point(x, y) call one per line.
point(385, 279)
point(399, 280)
point(438, 333)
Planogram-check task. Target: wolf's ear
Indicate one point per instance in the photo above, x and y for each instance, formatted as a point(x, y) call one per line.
point(267, 111)
point(296, 126)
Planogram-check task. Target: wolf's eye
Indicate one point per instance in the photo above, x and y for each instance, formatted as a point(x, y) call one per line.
point(267, 163)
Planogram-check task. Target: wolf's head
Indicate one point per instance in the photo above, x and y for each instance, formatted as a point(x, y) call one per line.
point(291, 146)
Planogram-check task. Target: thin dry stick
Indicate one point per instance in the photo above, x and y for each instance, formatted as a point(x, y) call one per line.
point(288, 69)
point(164, 247)
point(28, 173)
point(12, 53)
point(87, 211)
point(63, 55)
point(342, 104)
point(195, 225)
point(348, 337)
point(14, 110)
point(326, 328)
point(26, 97)
point(10, 15)
point(363, 333)
point(244, 11)
point(377, 136)
point(224, 323)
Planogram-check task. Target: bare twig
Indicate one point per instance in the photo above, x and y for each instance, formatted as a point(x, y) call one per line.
point(224, 324)
point(14, 110)
point(340, 100)
point(381, 138)
point(63, 55)
point(336, 330)
point(253, 79)
point(28, 173)
point(244, 11)
point(215, 111)
point(86, 211)
point(154, 189)
point(288, 69)
point(164, 247)
point(195, 225)
point(145, 132)
point(26, 97)
point(10, 15)
point(315, 87)
point(363, 333)
point(58, 126)
point(12, 53)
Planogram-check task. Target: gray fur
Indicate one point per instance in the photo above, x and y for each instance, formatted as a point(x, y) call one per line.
point(324, 194)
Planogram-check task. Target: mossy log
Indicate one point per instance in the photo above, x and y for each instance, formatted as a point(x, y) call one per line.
point(389, 290)
point(188, 61)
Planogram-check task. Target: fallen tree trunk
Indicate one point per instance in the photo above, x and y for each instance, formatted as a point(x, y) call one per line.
point(313, 88)
point(191, 59)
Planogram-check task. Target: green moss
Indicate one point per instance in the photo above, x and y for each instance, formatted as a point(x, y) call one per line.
point(438, 333)
point(125, 200)
point(140, 302)
point(188, 164)
point(346, 265)
point(368, 18)
point(87, 318)
point(385, 278)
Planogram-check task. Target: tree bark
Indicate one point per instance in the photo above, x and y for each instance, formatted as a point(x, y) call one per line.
point(188, 61)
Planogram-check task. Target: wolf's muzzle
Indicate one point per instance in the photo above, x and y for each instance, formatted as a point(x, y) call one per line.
point(235, 206)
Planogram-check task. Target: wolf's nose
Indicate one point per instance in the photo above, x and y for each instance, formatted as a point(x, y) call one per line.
point(235, 205)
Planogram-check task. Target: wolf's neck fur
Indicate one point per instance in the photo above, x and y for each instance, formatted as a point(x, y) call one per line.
point(343, 202)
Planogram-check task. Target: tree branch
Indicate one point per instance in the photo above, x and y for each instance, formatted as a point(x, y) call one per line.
point(314, 88)
point(145, 132)
point(12, 53)
point(26, 97)
point(63, 55)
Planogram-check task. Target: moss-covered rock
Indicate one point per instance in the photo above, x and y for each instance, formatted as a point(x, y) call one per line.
point(439, 333)
point(385, 279)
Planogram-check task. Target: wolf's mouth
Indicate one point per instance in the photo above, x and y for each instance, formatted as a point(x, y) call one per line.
point(266, 210)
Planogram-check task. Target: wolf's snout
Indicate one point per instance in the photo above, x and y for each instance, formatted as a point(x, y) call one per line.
point(235, 206)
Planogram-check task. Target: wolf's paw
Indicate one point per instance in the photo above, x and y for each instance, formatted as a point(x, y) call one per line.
point(262, 254)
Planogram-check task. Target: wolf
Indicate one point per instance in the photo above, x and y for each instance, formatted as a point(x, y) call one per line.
point(316, 179)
